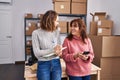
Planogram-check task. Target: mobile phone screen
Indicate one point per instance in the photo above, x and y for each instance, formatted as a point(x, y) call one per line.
point(86, 52)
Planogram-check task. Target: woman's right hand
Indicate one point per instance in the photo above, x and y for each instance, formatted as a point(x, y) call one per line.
point(81, 55)
point(57, 50)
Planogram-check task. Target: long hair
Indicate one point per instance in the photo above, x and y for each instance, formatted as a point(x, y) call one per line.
point(82, 28)
point(48, 21)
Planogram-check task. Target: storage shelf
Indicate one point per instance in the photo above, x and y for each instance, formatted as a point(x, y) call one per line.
point(73, 15)
point(82, 16)
point(26, 20)
point(32, 18)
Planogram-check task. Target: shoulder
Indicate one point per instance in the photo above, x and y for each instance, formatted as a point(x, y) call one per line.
point(66, 40)
point(57, 30)
point(88, 40)
point(37, 31)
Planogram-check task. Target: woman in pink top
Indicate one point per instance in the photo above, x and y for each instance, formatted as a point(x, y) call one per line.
point(78, 64)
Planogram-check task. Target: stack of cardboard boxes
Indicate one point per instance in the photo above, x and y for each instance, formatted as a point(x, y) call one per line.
point(70, 6)
point(100, 25)
point(31, 24)
point(105, 45)
point(107, 56)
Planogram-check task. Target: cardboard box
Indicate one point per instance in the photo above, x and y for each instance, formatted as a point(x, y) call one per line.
point(62, 7)
point(63, 26)
point(93, 28)
point(101, 15)
point(60, 0)
point(105, 46)
point(68, 27)
point(98, 16)
point(28, 50)
point(79, 0)
point(40, 16)
point(105, 23)
point(28, 15)
point(30, 28)
point(29, 43)
point(104, 31)
point(110, 68)
point(79, 8)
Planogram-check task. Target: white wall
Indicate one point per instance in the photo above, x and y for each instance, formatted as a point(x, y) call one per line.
point(20, 7)
point(112, 9)
point(92, 6)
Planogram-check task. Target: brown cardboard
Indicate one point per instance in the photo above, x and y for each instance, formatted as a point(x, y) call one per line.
point(28, 50)
point(98, 16)
point(110, 68)
point(101, 15)
point(63, 26)
point(93, 28)
point(79, 0)
point(40, 16)
point(28, 15)
point(107, 56)
point(29, 43)
point(79, 8)
point(105, 23)
point(104, 31)
point(105, 46)
point(60, 0)
point(68, 27)
point(31, 28)
point(62, 7)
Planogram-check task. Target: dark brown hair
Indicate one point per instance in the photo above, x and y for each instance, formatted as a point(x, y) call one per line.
point(82, 28)
point(48, 20)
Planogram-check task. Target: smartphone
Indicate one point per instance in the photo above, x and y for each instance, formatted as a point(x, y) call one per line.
point(86, 52)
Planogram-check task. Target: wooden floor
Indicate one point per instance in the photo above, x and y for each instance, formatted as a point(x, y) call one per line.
point(12, 71)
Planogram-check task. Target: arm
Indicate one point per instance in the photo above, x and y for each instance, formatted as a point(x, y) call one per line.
point(36, 46)
point(66, 52)
point(90, 56)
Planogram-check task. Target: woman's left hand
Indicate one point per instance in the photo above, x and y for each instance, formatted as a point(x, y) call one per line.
point(84, 57)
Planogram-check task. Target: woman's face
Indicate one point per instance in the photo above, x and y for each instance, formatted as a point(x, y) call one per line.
point(75, 29)
point(56, 22)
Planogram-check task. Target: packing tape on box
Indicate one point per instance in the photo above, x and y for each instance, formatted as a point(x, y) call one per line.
point(99, 23)
point(62, 7)
point(96, 18)
point(99, 30)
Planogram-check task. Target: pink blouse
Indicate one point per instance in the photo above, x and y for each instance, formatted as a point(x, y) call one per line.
point(77, 67)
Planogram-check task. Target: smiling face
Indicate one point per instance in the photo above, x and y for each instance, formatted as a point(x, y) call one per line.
point(74, 29)
point(77, 28)
point(56, 21)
